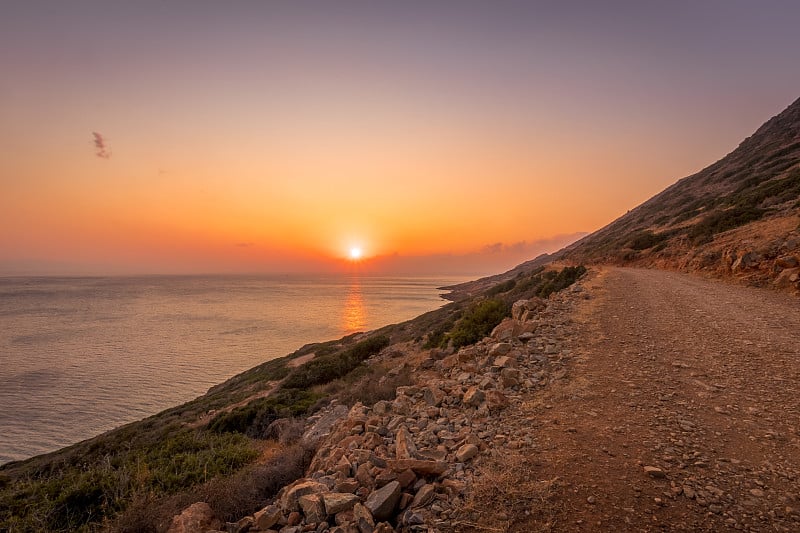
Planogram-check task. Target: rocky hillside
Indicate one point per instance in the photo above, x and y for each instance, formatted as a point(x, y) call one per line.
point(737, 217)
point(411, 463)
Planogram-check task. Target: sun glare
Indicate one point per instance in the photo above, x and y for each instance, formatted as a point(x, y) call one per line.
point(355, 253)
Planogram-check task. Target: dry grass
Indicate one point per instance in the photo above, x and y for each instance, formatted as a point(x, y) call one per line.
point(508, 496)
point(230, 497)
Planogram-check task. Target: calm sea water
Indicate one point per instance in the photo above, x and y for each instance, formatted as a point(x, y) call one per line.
point(80, 356)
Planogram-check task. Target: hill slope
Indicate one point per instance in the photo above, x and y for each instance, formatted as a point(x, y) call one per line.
point(738, 216)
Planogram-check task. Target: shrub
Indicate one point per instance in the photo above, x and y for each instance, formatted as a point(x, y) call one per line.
point(561, 280)
point(501, 287)
point(254, 418)
point(478, 321)
point(326, 368)
point(724, 220)
point(642, 240)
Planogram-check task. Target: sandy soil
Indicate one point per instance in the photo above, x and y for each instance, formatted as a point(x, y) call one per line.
point(699, 379)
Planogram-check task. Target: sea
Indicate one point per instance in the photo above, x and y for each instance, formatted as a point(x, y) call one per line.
point(81, 356)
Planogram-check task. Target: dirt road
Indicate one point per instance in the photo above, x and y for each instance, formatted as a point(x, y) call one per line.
point(698, 379)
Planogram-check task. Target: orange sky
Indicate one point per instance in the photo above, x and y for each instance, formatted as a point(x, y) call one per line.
point(272, 139)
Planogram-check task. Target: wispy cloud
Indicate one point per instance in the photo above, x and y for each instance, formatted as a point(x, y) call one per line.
point(101, 148)
point(245, 244)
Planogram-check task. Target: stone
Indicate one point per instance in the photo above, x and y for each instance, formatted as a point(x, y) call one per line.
point(499, 348)
point(424, 496)
point(526, 337)
point(242, 526)
point(505, 361)
point(404, 445)
point(364, 476)
point(406, 478)
point(336, 502)
point(519, 308)
point(474, 397)
point(294, 519)
point(787, 261)
point(747, 260)
point(466, 452)
point(312, 507)
point(496, 399)
point(267, 517)
point(419, 466)
point(655, 472)
point(289, 500)
point(382, 502)
point(363, 519)
point(347, 485)
point(197, 518)
point(433, 396)
point(324, 424)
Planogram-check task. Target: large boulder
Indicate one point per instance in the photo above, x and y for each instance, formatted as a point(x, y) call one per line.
point(197, 518)
point(300, 488)
point(382, 502)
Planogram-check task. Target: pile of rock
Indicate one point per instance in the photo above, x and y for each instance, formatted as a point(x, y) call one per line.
point(408, 464)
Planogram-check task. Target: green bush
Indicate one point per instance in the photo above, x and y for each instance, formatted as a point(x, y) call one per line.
point(561, 280)
point(502, 287)
point(477, 322)
point(724, 220)
point(254, 418)
point(642, 240)
point(325, 369)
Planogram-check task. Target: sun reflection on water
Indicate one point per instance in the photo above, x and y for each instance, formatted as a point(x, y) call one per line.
point(354, 316)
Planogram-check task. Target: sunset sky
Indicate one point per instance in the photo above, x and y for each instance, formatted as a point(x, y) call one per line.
point(441, 137)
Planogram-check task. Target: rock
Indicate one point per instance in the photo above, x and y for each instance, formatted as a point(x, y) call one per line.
point(197, 518)
point(432, 396)
point(787, 261)
point(242, 526)
point(294, 519)
point(364, 476)
point(504, 362)
point(381, 408)
point(312, 507)
point(336, 502)
point(289, 500)
point(423, 496)
point(267, 517)
point(381, 502)
point(526, 337)
point(500, 348)
point(654, 472)
point(496, 399)
point(419, 466)
point(363, 519)
point(404, 445)
point(323, 425)
point(406, 478)
point(518, 308)
point(466, 452)
point(747, 260)
point(787, 277)
point(506, 330)
point(474, 397)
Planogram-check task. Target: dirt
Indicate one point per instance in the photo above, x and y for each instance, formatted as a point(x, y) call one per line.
point(698, 379)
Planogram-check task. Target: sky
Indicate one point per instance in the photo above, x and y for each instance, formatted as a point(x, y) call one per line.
point(438, 137)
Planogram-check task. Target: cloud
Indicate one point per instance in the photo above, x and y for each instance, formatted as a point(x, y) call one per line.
point(101, 148)
point(245, 244)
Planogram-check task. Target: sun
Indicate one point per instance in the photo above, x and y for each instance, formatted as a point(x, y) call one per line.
point(355, 253)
